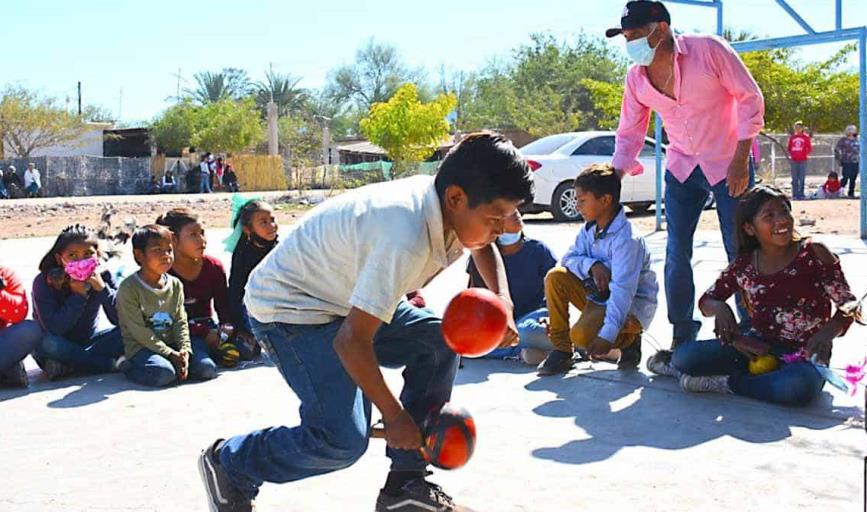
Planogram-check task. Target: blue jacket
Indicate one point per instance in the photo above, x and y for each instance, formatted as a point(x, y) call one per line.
point(70, 315)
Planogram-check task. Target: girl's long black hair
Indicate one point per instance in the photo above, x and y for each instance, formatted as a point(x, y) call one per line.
point(73, 234)
point(749, 205)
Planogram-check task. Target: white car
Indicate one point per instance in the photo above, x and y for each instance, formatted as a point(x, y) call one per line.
point(556, 160)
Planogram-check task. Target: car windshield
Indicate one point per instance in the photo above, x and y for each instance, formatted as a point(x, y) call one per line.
point(547, 145)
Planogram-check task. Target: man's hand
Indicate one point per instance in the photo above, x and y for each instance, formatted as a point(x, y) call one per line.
point(598, 347)
point(601, 276)
point(738, 173)
point(401, 432)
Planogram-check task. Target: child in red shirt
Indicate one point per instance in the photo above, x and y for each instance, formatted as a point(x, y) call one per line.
point(18, 337)
point(831, 189)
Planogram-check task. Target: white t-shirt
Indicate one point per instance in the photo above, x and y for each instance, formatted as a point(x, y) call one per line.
point(366, 249)
point(31, 176)
point(204, 168)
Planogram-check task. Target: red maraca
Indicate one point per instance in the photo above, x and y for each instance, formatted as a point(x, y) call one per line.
point(475, 322)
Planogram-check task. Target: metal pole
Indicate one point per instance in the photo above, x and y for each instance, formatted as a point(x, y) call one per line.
point(658, 135)
point(719, 17)
point(838, 14)
point(79, 98)
point(862, 129)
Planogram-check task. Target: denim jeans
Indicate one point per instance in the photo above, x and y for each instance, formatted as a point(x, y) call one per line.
point(791, 384)
point(799, 174)
point(97, 356)
point(335, 414)
point(151, 369)
point(16, 341)
point(531, 334)
point(205, 184)
point(684, 203)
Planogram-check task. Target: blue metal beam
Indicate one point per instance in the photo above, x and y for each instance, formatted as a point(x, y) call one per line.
point(719, 17)
point(862, 129)
point(833, 36)
point(700, 3)
point(795, 16)
point(657, 134)
point(838, 14)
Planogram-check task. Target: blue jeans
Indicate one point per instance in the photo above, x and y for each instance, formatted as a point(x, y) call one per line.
point(799, 175)
point(151, 369)
point(531, 334)
point(96, 356)
point(16, 341)
point(205, 185)
point(684, 203)
point(335, 414)
point(792, 384)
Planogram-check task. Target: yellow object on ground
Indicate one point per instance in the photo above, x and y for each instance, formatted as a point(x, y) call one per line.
point(763, 364)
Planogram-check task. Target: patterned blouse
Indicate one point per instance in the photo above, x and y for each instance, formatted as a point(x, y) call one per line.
point(789, 306)
point(847, 150)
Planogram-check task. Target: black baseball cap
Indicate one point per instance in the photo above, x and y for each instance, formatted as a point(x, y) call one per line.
point(638, 14)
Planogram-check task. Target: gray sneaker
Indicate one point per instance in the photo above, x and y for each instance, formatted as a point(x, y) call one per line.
point(660, 364)
point(222, 495)
point(417, 495)
point(705, 384)
point(55, 370)
point(16, 376)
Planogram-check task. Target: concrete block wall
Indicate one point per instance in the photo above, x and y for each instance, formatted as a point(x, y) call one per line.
point(87, 175)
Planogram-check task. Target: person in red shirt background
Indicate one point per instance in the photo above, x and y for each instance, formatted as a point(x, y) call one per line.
point(18, 337)
point(800, 148)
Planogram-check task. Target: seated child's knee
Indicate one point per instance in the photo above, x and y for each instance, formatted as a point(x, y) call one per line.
point(556, 276)
point(50, 345)
point(205, 370)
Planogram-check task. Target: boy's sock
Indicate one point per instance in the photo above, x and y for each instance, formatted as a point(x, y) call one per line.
point(397, 479)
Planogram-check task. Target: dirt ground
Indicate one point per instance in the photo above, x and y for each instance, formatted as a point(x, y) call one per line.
point(23, 218)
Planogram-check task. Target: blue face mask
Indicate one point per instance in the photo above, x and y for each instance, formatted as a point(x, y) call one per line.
point(509, 238)
point(640, 51)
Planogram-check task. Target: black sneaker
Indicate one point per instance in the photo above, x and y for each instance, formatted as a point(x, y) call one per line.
point(222, 495)
point(556, 362)
point(417, 495)
point(16, 376)
point(630, 357)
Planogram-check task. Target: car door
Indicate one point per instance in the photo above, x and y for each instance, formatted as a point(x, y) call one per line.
point(644, 185)
point(600, 150)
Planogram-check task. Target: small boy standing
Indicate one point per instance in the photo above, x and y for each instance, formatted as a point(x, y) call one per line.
point(328, 305)
point(606, 275)
point(153, 320)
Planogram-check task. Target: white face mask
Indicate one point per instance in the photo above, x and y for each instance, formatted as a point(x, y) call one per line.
point(509, 238)
point(640, 51)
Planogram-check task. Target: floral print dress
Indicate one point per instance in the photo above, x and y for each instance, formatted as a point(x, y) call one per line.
point(789, 306)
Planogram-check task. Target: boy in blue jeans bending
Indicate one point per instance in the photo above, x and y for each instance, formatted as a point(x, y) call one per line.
point(327, 305)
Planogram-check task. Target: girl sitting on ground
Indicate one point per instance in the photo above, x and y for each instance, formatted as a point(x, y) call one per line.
point(203, 277)
point(18, 337)
point(831, 189)
point(68, 294)
point(789, 284)
point(254, 235)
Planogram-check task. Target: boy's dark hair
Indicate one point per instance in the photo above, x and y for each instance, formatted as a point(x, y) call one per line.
point(600, 180)
point(748, 207)
point(72, 234)
point(487, 167)
point(245, 214)
point(145, 235)
point(176, 218)
point(833, 174)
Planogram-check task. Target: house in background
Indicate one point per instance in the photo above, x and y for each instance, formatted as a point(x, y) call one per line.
point(88, 143)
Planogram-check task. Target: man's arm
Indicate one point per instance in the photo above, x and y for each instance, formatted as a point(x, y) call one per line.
point(354, 347)
point(490, 266)
point(634, 120)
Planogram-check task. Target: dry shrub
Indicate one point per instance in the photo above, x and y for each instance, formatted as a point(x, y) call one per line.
point(259, 172)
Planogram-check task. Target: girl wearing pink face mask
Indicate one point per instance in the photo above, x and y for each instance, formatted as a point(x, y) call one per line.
point(68, 295)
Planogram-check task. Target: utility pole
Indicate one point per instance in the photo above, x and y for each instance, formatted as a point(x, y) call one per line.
point(120, 104)
point(79, 99)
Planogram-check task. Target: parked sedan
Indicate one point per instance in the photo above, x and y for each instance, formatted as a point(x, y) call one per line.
point(557, 159)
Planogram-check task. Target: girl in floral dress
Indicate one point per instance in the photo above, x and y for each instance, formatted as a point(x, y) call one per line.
point(789, 285)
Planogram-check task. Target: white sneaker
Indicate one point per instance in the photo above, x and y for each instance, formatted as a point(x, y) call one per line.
point(660, 364)
point(533, 356)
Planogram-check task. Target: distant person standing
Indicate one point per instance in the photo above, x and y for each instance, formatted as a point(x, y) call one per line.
point(230, 179)
point(4, 194)
point(205, 172)
point(800, 147)
point(32, 180)
point(219, 169)
point(847, 153)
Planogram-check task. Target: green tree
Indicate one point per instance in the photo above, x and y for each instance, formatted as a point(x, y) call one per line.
point(29, 122)
point(173, 130)
point(230, 83)
point(229, 126)
point(406, 128)
point(546, 87)
point(283, 90)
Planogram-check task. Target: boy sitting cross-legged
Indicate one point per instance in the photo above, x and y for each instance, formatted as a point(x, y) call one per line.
point(606, 275)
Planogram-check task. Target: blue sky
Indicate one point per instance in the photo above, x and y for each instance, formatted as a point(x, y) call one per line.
point(137, 47)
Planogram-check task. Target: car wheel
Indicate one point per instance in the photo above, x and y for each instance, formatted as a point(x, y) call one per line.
point(639, 207)
point(564, 204)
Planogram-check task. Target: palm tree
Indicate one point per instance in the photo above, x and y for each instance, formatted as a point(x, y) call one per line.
point(230, 83)
point(283, 90)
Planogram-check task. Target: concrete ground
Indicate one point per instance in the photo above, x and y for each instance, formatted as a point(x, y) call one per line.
point(596, 439)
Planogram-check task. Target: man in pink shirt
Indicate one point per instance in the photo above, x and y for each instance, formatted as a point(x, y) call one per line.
point(712, 110)
point(800, 148)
